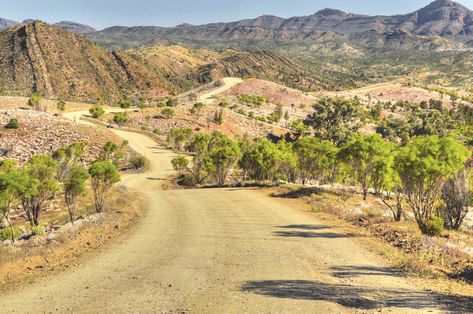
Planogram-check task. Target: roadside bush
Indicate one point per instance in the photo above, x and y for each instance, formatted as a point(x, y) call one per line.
point(13, 124)
point(186, 180)
point(96, 111)
point(120, 118)
point(432, 227)
point(138, 162)
point(6, 233)
point(38, 230)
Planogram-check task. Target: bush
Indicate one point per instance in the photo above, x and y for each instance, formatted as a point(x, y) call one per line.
point(38, 230)
point(138, 162)
point(186, 180)
point(167, 113)
point(432, 227)
point(120, 118)
point(13, 124)
point(5, 234)
point(97, 112)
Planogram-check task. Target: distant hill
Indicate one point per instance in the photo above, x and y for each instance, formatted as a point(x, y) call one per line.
point(442, 18)
point(4, 24)
point(75, 27)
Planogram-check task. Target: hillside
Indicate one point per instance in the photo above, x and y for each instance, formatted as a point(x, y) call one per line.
point(40, 58)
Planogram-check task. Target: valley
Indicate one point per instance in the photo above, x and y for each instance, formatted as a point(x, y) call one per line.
point(320, 163)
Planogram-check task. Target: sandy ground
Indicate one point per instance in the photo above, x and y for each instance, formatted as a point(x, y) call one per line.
point(222, 251)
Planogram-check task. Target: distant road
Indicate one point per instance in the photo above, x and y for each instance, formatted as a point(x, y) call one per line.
point(228, 83)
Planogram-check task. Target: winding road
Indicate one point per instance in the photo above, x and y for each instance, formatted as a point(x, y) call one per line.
point(222, 251)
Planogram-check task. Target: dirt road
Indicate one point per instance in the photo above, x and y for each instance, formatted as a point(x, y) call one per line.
point(228, 83)
point(221, 251)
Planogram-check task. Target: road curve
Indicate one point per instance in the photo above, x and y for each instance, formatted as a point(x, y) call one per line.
point(221, 251)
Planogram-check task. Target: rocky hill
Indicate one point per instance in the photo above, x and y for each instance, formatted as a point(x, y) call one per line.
point(40, 58)
point(444, 18)
point(4, 24)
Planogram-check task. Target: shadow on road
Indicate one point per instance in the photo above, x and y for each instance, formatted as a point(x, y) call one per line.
point(357, 297)
point(305, 227)
point(308, 234)
point(356, 271)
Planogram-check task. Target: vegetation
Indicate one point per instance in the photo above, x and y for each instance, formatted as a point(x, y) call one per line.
point(167, 113)
point(61, 105)
point(104, 174)
point(13, 124)
point(97, 111)
point(120, 118)
point(74, 187)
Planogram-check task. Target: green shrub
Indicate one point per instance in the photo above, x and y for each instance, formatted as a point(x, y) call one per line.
point(120, 118)
point(432, 227)
point(186, 180)
point(167, 113)
point(5, 234)
point(38, 230)
point(138, 162)
point(97, 111)
point(13, 124)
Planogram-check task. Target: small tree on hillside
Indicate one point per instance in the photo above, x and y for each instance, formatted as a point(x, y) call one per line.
point(35, 101)
point(196, 109)
point(424, 165)
point(167, 113)
point(178, 137)
point(361, 153)
point(74, 187)
point(66, 158)
point(11, 178)
point(38, 187)
point(104, 174)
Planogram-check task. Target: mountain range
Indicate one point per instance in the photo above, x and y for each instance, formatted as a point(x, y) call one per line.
point(330, 49)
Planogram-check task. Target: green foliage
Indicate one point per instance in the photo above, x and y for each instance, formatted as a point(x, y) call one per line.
point(138, 162)
point(218, 116)
point(66, 157)
point(167, 113)
point(171, 102)
point(180, 164)
point(13, 124)
point(362, 153)
point(120, 118)
point(38, 186)
point(35, 101)
point(335, 119)
point(252, 100)
point(125, 104)
point(223, 154)
point(315, 158)
point(38, 230)
point(433, 226)
point(197, 108)
point(299, 126)
point(104, 174)
point(61, 105)
point(178, 137)
point(10, 233)
point(74, 187)
point(97, 111)
point(423, 166)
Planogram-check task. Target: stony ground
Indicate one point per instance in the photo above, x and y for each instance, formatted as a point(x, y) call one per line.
point(42, 133)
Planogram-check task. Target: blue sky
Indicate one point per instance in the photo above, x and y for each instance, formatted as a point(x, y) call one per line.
point(104, 13)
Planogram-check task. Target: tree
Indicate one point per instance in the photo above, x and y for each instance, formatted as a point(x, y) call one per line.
point(104, 174)
point(361, 153)
point(456, 196)
point(218, 116)
point(171, 102)
point(109, 150)
point(201, 164)
point(335, 119)
point(97, 111)
point(13, 124)
point(120, 118)
point(61, 105)
point(35, 101)
point(315, 158)
point(423, 166)
point(167, 113)
point(67, 157)
point(125, 104)
point(180, 164)
point(74, 187)
point(177, 137)
point(223, 154)
point(11, 178)
point(388, 185)
point(196, 109)
point(39, 186)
